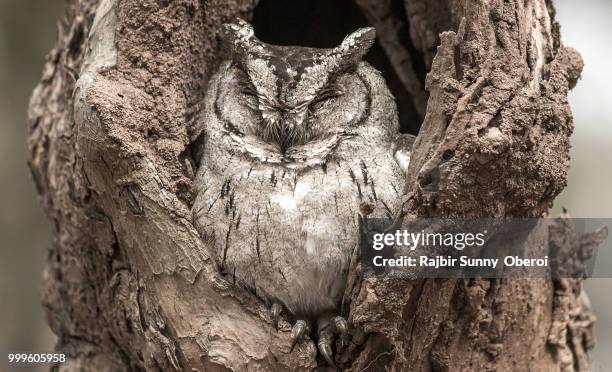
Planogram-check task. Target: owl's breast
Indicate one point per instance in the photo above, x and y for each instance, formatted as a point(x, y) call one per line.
point(276, 229)
point(284, 223)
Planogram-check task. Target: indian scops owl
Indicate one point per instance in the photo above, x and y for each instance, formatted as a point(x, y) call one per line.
point(295, 140)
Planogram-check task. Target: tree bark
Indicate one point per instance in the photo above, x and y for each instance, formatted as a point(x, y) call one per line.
point(129, 285)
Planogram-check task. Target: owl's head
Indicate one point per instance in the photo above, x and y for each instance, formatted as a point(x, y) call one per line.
point(291, 96)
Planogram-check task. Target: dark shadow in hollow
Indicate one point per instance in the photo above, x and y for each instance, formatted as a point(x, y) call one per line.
point(323, 24)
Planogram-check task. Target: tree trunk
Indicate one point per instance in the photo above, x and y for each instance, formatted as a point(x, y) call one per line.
point(130, 285)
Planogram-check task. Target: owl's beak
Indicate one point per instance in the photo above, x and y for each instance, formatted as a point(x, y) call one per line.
point(293, 130)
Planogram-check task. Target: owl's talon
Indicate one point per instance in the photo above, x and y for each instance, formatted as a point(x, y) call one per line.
point(275, 312)
point(324, 344)
point(327, 325)
point(298, 331)
point(326, 351)
point(341, 327)
point(340, 324)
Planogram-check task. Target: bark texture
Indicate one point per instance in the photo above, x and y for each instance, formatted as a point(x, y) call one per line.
point(129, 285)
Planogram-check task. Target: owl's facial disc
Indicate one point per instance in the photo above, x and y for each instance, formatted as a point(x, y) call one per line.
point(290, 86)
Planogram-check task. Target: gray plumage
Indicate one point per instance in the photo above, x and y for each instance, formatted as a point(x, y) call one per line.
point(295, 140)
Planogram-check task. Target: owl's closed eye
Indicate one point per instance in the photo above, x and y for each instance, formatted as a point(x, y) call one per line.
point(292, 96)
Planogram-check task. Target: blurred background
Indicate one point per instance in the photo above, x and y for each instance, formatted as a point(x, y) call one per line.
point(587, 26)
point(28, 32)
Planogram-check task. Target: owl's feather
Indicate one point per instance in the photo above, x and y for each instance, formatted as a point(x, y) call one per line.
point(402, 148)
point(281, 213)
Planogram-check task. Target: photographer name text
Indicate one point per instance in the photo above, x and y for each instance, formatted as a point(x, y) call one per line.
point(462, 261)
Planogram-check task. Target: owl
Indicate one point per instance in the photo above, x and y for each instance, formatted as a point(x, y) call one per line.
point(295, 141)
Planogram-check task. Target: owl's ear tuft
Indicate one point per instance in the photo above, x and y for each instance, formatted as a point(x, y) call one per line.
point(239, 36)
point(356, 45)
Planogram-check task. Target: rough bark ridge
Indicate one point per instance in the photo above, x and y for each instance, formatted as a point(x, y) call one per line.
point(129, 284)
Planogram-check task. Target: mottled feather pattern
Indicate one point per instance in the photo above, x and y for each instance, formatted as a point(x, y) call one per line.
point(280, 209)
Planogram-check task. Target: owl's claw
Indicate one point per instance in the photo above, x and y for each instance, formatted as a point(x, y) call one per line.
point(327, 326)
point(341, 327)
point(325, 330)
point(275, 312)
point(298, 331)
point(326, 350)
